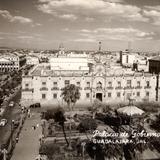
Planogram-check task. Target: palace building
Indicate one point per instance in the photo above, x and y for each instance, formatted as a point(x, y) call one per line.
point(97, 81)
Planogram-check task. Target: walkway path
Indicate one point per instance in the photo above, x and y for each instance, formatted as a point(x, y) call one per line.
point(28, 146)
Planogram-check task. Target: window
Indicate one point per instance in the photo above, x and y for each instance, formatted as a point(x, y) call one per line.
point(118, 94)
point(99, 85)
point(43, 83)
point(87, 95)
point(109, 94)
point(55, 95)
point(66, 82)
point(138, 83)
point(26, 85)
point(128, 95)
point(119, 84)
point(78, 84)
point(128, 83)
point(147, 83)
point(54, 84)
point(43, 96)
point(88, 84)
point(110, 84)
point(138, 94)
point(147, 94)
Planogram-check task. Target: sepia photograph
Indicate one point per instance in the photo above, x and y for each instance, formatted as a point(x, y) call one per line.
point(79, 80)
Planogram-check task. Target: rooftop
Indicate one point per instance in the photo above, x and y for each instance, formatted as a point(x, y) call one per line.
point(157, 58)
point(45, 70)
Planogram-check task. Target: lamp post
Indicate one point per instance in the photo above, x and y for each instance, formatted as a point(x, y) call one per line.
point(4, 152)
point(83, 144)
point(12, 128)
point(94, 148)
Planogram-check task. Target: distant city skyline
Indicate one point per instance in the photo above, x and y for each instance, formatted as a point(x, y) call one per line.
point(80, 24)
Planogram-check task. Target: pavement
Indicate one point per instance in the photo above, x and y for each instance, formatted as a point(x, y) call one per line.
point(10, 114)
point(27, 147)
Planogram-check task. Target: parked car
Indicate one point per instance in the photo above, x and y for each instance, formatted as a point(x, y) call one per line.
point(16, 123)
point(2, 111)
point(3, 122)
point(11, 104)
point(36, 105)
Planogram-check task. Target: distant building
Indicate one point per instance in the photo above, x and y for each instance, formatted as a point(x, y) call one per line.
point(154, 65)
point(11, 61)
point(32, 60)
point(7, 65)
point(71, 62)
point(134, 61)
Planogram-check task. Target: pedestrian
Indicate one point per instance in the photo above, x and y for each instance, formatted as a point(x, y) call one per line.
point(17, 139)
point(33, 127)
point(29, 113)
point(38, 157)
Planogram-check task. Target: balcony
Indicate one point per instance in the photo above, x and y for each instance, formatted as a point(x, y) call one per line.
point(147, 87)
point(138, 87)
point(44, 89)
point(128, 87)
point(54, 88)
point(80, 88)
point(119, 87)
point(87, 88)
point(109, 87)
point(27, 90)
point(99, 88)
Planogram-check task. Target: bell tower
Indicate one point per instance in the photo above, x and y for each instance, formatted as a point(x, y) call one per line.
point(61, 49)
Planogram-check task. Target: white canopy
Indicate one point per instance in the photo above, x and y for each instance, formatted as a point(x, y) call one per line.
point(130, 110)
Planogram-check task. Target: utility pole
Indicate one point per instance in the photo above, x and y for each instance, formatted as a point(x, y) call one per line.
point(157, 86)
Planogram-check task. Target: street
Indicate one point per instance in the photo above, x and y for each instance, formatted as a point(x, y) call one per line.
point(28, 146)
point(10, 114)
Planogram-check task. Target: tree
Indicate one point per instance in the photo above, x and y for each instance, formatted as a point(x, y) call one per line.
point(87, 125)
point(49, 150)
point(70, 95)
point(129, 152)
point(156, 123)
point(113, 151)
point(60, 118)
point(58, 115)
point(95, 151)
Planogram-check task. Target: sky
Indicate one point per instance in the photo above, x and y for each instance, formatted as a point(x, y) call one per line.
point(80, 24)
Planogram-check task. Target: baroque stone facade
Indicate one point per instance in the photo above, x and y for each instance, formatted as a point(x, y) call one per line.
point(44, 85)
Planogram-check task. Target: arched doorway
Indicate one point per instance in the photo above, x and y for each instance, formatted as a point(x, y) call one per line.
point(99, 96)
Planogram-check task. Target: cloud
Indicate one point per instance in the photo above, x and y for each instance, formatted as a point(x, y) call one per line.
point(36, 24)
point(65, 29)
point(115, 1)
point(122, 34)
point(154, 15)
point(85, 40)
point(68, 16)
point(89, 19)
point(153, 7)
point(89, 9)
point(25, 37)
point(6, 14)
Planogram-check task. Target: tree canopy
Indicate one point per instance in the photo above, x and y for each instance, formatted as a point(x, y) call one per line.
point(70, 94)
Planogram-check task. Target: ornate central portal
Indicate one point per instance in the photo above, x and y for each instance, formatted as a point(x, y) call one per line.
point(99, 96)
